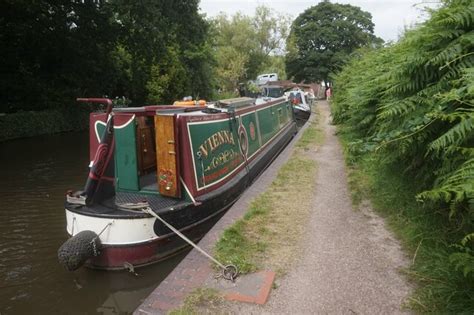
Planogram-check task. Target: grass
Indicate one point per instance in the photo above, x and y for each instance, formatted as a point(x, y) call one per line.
point(425, 233)
point(267, 236)
point(312, 135)
point(200, 301)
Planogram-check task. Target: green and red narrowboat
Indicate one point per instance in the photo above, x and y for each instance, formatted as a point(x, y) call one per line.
point(188, 164)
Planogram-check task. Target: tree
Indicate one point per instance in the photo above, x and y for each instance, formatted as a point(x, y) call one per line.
point(323, 36)
point(245, 45)
point(168, 45)
point(52, 51)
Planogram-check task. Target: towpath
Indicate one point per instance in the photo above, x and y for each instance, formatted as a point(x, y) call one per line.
point(350, 263)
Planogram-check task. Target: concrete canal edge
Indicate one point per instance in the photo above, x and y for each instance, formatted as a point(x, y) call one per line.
point(193, 271)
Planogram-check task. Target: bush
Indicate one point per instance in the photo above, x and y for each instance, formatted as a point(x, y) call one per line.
point(410, 106)
point(28, 124)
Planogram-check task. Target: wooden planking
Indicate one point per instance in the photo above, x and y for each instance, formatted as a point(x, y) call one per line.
point(166, 156)
point(145, 146)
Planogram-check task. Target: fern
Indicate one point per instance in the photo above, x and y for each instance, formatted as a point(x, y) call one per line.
point(412, 104)
point(455, 136)
point(464, 258)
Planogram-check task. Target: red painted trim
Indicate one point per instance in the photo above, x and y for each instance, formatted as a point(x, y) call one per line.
point(177, 155)
point(93, 142)
point(223, 115)
point(141, 254)
point(93, 176)
point(187, 168)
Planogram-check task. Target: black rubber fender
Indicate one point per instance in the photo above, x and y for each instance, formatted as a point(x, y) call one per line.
point(78, 249)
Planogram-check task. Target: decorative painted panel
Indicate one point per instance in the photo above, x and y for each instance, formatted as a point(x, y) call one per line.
point(126, 164)
point(215, 149)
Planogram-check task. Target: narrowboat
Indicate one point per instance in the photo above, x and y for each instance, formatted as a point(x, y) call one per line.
point(187, 162)
point(301, 104)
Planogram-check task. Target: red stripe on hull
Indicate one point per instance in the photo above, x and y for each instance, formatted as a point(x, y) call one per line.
point(141, 254)
point(114, 257)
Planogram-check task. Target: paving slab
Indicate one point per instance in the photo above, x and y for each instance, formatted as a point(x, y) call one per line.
point(250, 288)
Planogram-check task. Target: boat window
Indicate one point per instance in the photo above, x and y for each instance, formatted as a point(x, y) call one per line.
point(296, 96)
point(275, 92)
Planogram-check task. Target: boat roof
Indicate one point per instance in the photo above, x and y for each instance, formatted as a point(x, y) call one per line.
point(222, 106)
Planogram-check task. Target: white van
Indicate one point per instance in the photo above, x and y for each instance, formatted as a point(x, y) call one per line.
point(267, 77)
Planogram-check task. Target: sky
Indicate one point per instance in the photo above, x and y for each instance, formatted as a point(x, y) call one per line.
point(389, 16)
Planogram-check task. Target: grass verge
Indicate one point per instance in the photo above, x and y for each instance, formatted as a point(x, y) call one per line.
point(425, 234)
point(200, 301)
point(267, 236)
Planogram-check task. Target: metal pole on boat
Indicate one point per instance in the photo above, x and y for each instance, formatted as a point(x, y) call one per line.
point(229, 272)
point(105, 101)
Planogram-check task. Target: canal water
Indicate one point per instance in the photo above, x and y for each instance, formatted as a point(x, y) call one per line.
point(35, 173)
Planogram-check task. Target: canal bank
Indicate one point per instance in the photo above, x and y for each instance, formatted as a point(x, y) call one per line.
point(348, 262)
point(25, 124)
point(195, 269)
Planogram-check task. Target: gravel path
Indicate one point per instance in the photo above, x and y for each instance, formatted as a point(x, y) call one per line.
point(350, 262)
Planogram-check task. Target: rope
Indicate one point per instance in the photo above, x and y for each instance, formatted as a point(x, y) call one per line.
point(73, 222)
point(92, 242)
point(229, 272)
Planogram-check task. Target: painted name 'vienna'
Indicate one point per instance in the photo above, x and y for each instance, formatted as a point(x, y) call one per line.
point(215, 141)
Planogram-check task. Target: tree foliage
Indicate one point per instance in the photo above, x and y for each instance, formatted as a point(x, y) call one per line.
point(322, 38)
point(169, 47)
point(52, 51)
point(412, 104)
point(55, 51)
point(245, 46)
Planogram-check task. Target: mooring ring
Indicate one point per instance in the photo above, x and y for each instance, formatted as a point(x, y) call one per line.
point(230, 272)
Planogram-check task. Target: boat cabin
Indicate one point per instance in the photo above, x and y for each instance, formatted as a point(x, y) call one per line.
point(153, 143)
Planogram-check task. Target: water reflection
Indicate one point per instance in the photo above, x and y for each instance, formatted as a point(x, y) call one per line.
point(34, 175)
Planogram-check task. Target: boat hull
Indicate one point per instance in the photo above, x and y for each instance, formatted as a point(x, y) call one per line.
point(301, 114)
point(120, 256)
point(139, 239)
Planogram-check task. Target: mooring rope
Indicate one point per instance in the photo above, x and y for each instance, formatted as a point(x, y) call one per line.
point(93, 243)
point(229, 272)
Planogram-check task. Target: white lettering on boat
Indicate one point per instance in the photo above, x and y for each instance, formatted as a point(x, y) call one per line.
point(215, 141)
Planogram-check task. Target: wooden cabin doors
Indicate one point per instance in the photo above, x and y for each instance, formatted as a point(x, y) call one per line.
point(167, 156)
point(145, 146)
